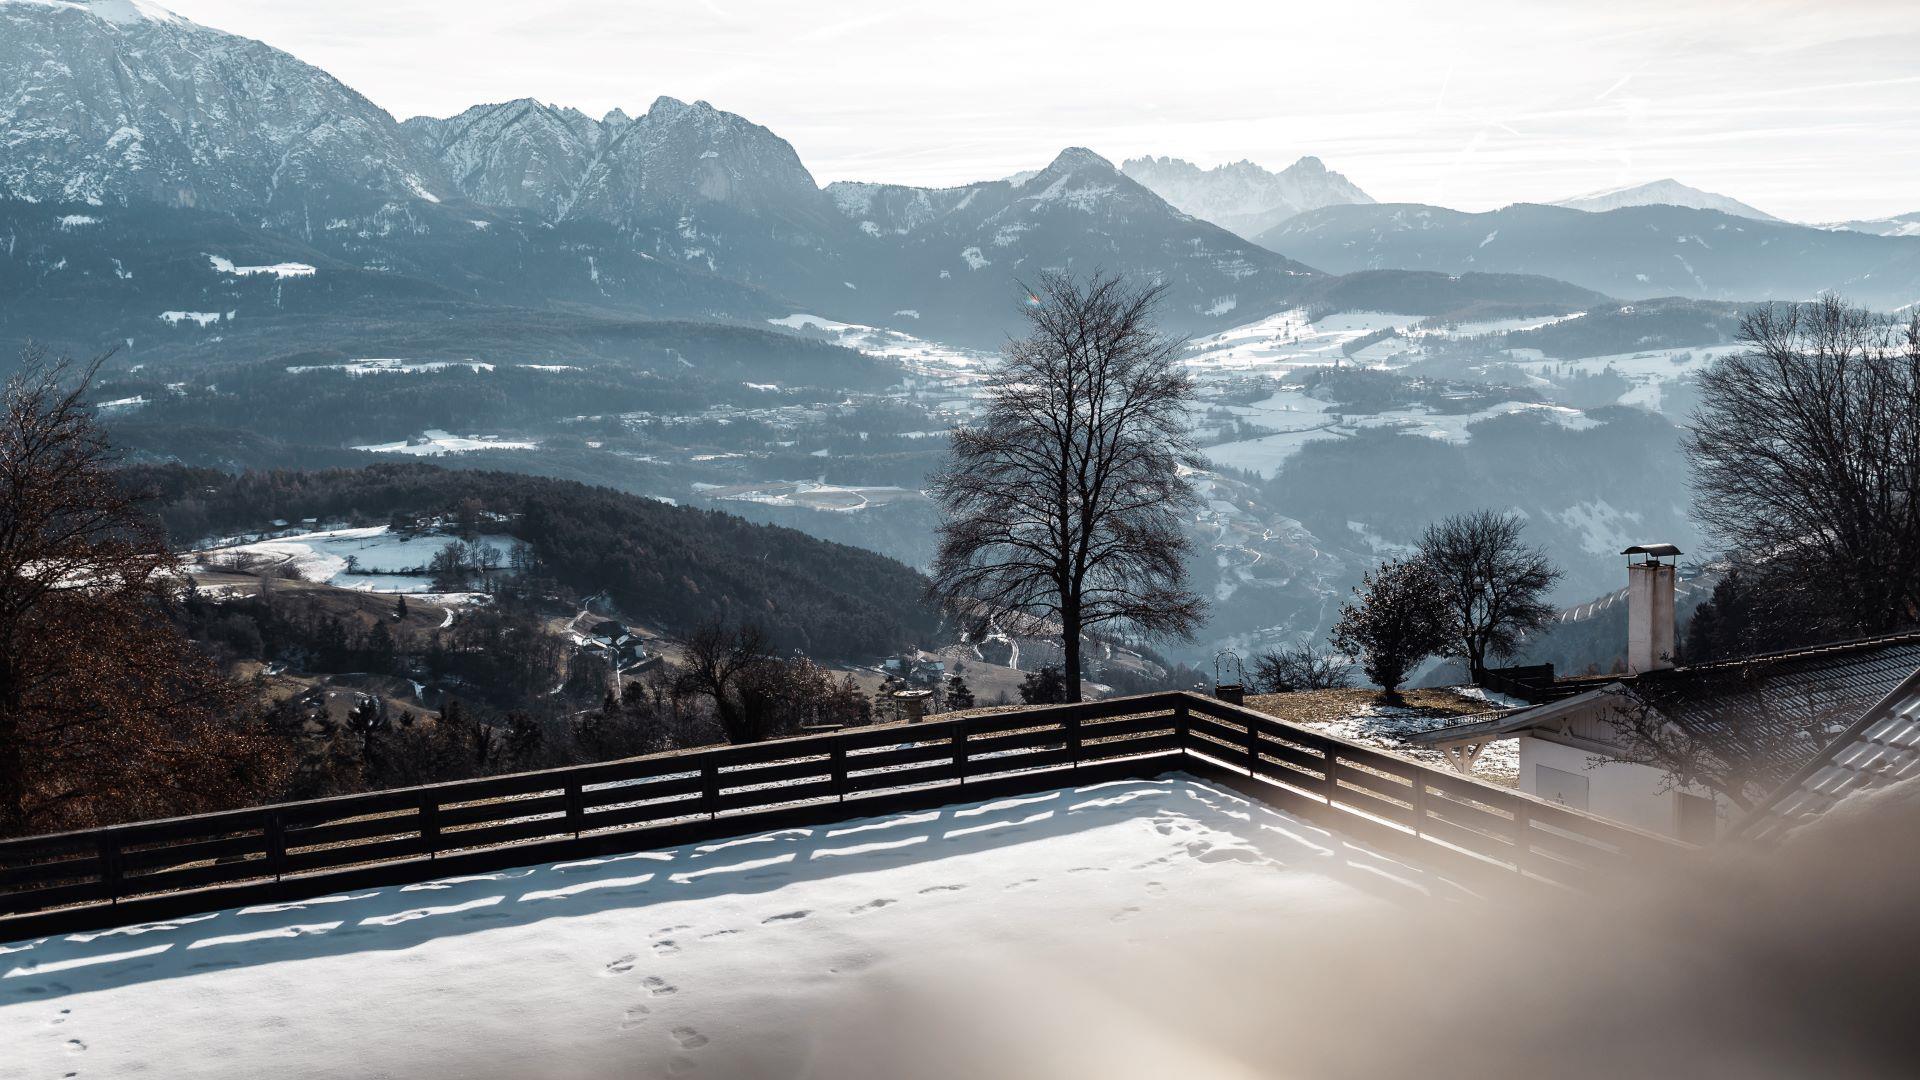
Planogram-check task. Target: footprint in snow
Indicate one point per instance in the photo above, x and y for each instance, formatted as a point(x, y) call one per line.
point(665, 947)
point(635, 1016)
point(788, 916)
point(717, 934)
point(681, 1065)
point(872, 905)
point(941, 888)
point(1125, 913)
point(658, 986)
point(62, 1018)
point(688, 1038)
point(1022, 883)
point(1156, 888)
point(76, 1045)
point(622, 965)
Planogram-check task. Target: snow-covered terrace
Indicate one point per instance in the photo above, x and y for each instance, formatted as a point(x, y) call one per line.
point(700, 911)
point(715, 957)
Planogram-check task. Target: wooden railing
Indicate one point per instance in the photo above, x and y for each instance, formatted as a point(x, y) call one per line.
point(1399, 804)
point(156, 869)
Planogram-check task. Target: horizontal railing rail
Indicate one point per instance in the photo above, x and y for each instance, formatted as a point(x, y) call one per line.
point(151, 869)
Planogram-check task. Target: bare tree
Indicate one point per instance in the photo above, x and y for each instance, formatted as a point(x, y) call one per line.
point(1067, 501)
point(1492, 586)
point(721, 663)
point(107, 712)
point(1720, 732)
point(1806, 453)
point(1392, 623)
point(1301, 668)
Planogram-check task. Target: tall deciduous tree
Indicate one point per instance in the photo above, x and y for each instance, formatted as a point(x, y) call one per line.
point(1067, 500)
point(1491, 586)
point(1806, 454)
point(1393, 622)
point(107, 712)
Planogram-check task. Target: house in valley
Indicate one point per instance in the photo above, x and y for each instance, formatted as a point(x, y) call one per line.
point(1660, 746)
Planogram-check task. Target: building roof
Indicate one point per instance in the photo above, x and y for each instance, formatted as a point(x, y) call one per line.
point(1882, 747)
point(1658, 551)
point(1792, 698)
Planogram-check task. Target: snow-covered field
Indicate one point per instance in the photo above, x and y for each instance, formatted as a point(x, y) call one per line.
point(1650, 371)
point(434, 441)
point(381, 557)
point(1301, 419)
point(1287, 341)
point(918, 355)
point(724, 959)
point(811, 496)
point(391, 366)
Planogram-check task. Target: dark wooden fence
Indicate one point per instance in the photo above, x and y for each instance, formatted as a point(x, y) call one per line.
point(157, 869)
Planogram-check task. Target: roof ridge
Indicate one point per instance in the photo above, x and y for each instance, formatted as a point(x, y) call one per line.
point(1806, 651)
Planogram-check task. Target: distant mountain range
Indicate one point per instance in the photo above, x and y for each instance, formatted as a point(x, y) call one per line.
point(1898, 225)
point(1242, 197)
point(1631, 252)
point(156, 171)
point(1663, 193)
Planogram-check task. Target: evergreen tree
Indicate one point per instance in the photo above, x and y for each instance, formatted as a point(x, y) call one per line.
point(959, 694)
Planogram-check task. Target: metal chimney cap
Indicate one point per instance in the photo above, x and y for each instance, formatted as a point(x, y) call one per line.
point(1658, 551)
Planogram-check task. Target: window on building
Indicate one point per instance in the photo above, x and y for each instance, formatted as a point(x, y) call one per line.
point(1557, 785)
point(1698, 820)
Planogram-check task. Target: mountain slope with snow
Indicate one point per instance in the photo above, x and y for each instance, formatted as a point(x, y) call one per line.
point(1633, 252)
point(970, 248)
point(1898, 225)
point(1668, 192)
point(1242, 197)
point(120, 101)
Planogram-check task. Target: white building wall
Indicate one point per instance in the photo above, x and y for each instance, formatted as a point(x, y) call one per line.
point(1632, 794)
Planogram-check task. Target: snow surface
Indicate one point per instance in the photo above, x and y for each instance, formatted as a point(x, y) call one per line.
point(712, 958)
point(388, 366)
point(383, 556)
point(434, 442)
point(918, 355)
point(279, 270)
point(203, 318)
point(1302, 419)
point(1668, 192)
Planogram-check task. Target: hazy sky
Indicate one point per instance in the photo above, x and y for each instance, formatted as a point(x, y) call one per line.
point(1810, 110)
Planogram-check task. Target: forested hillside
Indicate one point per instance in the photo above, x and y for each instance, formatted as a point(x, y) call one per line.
point(670, 567)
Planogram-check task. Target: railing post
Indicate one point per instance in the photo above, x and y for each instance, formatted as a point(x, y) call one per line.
point(1522, 843)
point(710, 787)
point(576, 806)
point(839, 767)
point(1419, 804)
point(1332, 778)
point(276, 834)
point(110, 866)
point(1180, 726)
point(960, 751)
point(1253, 746)
point(1072, 725)
point(430, 823)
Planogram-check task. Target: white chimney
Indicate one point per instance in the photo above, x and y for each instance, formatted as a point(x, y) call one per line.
point(1650, 587)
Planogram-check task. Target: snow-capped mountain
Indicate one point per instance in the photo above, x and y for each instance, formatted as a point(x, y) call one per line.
point(521, 153)
point(1668, 192)
point(119, 101)
point(1242, 197)
point(968, 248)
point(684, 210)
point(687, 183)
point(1633, 252)
point(1898, 225)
